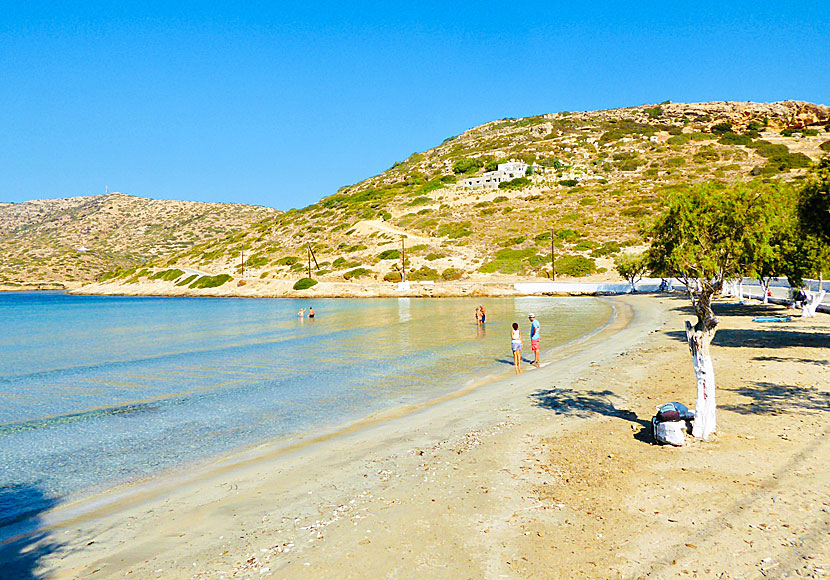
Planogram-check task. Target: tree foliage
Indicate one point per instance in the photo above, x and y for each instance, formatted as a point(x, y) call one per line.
point(709, 235)
point(631, 267)
point(814, 204)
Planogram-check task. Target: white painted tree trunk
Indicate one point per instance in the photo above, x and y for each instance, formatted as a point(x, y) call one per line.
point(812, 302)
point(705, 415)
point(741, 289)
point(765, 290)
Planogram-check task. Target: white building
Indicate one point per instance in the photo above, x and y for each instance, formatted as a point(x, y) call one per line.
point(491, 179)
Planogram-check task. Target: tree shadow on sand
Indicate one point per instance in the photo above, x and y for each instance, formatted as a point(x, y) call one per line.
point(571, 403)
point(22, 543)
point(773, 399)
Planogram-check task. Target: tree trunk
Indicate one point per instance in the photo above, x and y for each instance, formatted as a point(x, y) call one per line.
point(699, 338)
point(765, 289)
point(741, 290)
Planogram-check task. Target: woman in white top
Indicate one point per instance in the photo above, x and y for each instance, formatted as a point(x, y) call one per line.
point(516, 345)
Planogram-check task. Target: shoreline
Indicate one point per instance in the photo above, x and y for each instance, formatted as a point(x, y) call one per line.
point(128, 494)
point(548, 473)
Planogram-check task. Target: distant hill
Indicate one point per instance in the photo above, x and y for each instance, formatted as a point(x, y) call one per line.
point(596, 177)
point(73, 241)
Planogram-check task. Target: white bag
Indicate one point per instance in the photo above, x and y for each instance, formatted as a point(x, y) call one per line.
point(671, 432)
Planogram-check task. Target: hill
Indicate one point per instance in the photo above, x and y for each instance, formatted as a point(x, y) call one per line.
point(73, 241)
point(593, 178)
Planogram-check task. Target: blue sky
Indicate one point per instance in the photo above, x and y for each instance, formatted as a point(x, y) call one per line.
point(280, 104)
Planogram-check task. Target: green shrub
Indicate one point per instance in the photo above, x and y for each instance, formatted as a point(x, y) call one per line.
point(256, 261)
point(566, 235)
point(654, 112)
point(809, 132)
point(210, 281)
point(587, 201)
point(629, 164)
point(449, 178)
point(389, 255)
point(544, 237)
point(187, 280)
point(356, 273)
point(468, 165)
point(706, 155)
point(452, 274)
point(432, 256)
point(304, 283)
point(512, 241)
point(825, 146)
point(392, 277)
point(517, 183)
point(454, 230)
point(721, 128)
point(675, 162)
point(499, 199)
point(287, 261)
point(167, 275)
point(575, 266)
point(423, 273)
point(568, 182)
point(419, 201)
point(606, 249)
point(509, 261)
point(585, 245)
point(735, 139)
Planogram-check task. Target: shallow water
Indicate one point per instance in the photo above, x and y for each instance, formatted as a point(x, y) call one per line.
point(97, 391)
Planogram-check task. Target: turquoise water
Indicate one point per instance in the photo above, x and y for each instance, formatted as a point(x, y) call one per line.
point(97, 391)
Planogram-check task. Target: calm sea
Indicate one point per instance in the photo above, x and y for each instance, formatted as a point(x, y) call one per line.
point(97, 391)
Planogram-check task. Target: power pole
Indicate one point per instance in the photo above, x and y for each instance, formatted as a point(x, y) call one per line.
point(403, 258)
point(552, 257)
point(243, 260)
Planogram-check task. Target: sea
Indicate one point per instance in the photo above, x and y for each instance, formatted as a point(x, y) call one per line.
point(97, 392)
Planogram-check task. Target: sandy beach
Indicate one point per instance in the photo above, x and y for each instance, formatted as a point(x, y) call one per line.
point(548, 474)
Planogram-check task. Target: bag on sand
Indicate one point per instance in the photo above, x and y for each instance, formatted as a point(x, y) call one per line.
point(670, 423)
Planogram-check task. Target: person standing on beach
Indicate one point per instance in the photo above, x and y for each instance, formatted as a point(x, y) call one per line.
point(534, 337)
point(516, 345)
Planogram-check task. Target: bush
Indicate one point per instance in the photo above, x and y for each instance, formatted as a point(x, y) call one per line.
point(452, 274)
point(587, 201)
point(735, 139)
point(256, 261)
point(721, 128)
point(454, 230)
point(389, 255)
point(210, 281)
point(569, 182)
point(304, 283)
point(432, 256)
point(513, 261)
point(706, 155)
point(287, 261)
point(392, 277)
point(424, 273)
point(517, 183)
point(468, 165)
point(675, 162)
point(187, 280)
point(499, 199)
point(629, 164)
point(575, 266)
point(825, 146)
point(606, 249)
point(167, 275)
point(356, 273)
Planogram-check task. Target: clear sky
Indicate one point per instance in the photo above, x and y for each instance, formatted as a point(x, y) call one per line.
point(280, 104)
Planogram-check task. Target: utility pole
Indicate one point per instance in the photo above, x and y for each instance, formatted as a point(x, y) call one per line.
point(552, 257)
point(403, 258)
point(243, 260)
point(310, 257)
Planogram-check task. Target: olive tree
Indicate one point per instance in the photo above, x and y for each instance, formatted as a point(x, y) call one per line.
point(706, 235)
point(814, 230)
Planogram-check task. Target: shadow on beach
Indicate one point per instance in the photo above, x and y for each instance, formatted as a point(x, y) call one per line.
point(22, 545)
point(767, 398)
point(568, 402)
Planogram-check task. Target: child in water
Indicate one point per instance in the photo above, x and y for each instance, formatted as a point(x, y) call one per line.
point(516, 345)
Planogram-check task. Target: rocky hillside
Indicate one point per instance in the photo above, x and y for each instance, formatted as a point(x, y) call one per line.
point(75, 240)
point(595, 178)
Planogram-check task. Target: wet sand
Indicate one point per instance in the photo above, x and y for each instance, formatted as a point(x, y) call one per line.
point(548, 474)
